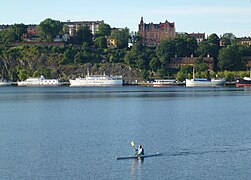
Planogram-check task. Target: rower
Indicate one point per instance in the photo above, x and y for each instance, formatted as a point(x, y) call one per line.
point(140, 150)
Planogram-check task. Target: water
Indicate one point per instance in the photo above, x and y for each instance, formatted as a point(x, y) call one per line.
point(77, 133)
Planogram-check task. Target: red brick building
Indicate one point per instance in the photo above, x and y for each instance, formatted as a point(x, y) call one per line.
point(177, 63)
point(151, 34)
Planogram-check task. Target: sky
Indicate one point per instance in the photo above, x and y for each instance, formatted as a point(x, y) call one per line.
point(204, 16)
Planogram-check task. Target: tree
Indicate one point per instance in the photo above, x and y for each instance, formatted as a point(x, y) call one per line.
point(165, 50)
point(227, 39)
point(230, 59)
point(84, 35)
point(185, 45)
point(214, 39)
point(121, 37)
point(49, 29)
point(155, 64)
point(101, 42)
point(104, 30)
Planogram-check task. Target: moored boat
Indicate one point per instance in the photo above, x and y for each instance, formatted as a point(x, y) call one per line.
point(246, 81)
point(203, 82)
point(97, 80)
point(4, 82)
point(39, 81)
point(164, 82)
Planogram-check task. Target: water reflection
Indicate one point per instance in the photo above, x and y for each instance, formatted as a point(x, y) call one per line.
point(136, 168)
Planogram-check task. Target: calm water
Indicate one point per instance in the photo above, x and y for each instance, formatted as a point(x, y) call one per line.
point(77, 133)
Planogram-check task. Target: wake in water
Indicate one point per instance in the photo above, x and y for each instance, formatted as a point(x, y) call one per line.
point(220, 149)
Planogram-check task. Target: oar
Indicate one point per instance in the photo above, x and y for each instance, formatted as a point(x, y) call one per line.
point(133, 145)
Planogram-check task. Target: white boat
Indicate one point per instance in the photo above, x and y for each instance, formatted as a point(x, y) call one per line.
point(97, 80)
point(39, 81)
point(202, 82)
point(4, 82)
point(165, 82)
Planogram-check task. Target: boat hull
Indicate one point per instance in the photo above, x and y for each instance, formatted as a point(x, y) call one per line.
point(205, 83)
point(41, 81)
point(97, 81)
point(138, 157)
point(243, 82)
point(5, 84)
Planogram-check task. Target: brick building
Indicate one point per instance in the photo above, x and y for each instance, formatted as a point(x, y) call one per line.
point(178, 62)
point(151, 34)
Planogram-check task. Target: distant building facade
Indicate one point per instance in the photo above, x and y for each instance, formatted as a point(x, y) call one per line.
point(32, 30)
point(3, 27)
point(198, 36)
point(245, 40)
point(179, 62)
point(151, 34)
point(73, 27)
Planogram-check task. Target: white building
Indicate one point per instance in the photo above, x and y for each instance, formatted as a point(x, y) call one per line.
point(74, 26)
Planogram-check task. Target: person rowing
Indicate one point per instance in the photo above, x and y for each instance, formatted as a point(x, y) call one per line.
point(140, 150)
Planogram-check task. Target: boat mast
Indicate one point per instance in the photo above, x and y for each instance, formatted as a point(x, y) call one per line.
point(193, 72)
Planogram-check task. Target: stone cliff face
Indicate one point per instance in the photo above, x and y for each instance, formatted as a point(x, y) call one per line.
point(9, 69)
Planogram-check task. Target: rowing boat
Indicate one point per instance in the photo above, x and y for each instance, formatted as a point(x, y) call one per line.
point(139, 157)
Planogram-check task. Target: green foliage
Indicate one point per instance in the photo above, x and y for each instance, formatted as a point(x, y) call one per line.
point(165, 50)
point(228, 39)
point(144, 74)
point(185, 45)
point(155, 64)
point(230, 58)
point(23, 74)
point(83, 35)
point(104, 30)
point(49, 29)
point(12, 34)
point(100, 42)
point(121, 37)
point(200, 65)
point(214, 39)
point(184, 72)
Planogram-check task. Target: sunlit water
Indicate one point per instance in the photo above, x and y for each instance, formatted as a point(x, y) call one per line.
point(77, 133)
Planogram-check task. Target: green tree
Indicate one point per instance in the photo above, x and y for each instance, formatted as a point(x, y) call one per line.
point(23, 74)
point(100, 42)
point(165, 50)
point(104, 30)
point(185, 45)
point(214, 39)
point(230, 59)
point(84, 35)
point(228, 38)
point(121, 37)
point(144, 74)
point(49, 29)
point(155, 64)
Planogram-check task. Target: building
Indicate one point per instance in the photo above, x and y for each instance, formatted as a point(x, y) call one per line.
point(178, 62)
point(3, 27)
point(72, 27)
point(32, 30)
point(151, 34)
point(198, 36)
point(244, 40)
